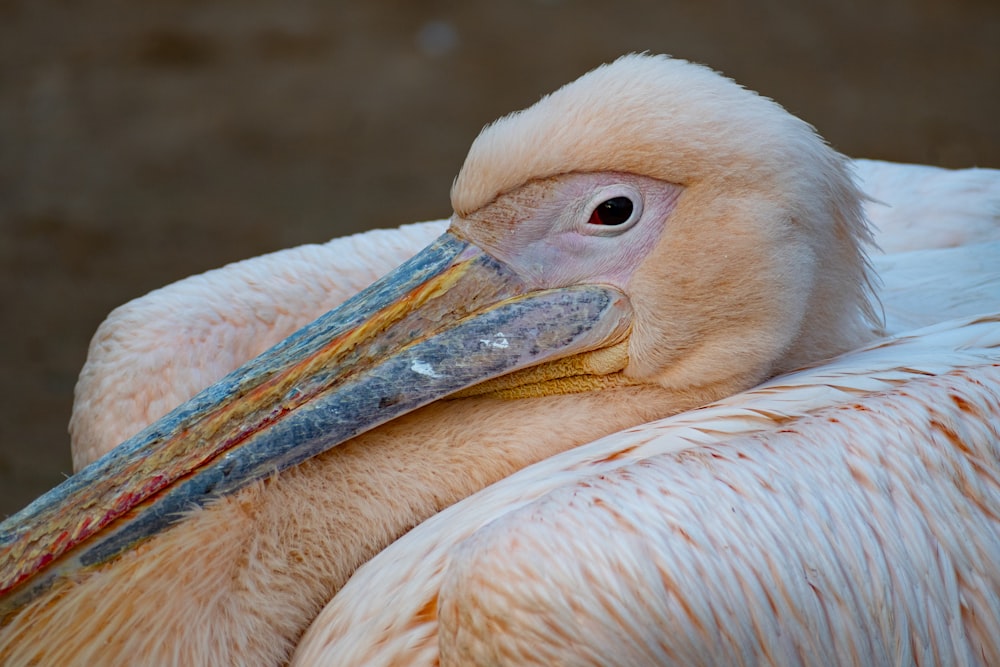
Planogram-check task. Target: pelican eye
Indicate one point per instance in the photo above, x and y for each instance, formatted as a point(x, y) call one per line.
point(614, 211)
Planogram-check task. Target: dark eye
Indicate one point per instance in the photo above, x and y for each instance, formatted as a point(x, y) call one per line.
point(612, 212)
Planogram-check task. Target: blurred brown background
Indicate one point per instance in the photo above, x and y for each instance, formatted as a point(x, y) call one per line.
point(141, 142)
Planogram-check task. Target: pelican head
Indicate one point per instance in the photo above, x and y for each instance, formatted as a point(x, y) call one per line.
point(650, 223)
point(745, 253)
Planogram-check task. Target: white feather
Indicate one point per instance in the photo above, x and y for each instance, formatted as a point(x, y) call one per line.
point(784, 430)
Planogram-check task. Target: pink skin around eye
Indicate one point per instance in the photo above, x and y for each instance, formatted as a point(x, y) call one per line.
point(542, 231)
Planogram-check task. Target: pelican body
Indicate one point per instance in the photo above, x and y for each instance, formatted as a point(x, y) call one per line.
point(635, 404)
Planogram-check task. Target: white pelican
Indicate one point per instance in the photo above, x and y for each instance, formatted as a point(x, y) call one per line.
point(648, 239)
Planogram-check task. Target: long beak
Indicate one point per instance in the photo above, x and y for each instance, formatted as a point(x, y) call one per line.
point(449, 318)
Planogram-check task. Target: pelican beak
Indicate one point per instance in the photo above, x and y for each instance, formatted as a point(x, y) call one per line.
point(449, 318)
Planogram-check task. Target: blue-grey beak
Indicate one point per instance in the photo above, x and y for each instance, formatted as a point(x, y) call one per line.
point(449, 318)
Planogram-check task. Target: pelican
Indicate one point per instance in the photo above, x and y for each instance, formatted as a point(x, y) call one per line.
point(634, 404)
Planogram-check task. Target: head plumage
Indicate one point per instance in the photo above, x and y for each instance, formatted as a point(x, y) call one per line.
point(643, 114)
